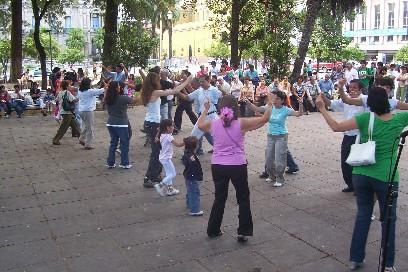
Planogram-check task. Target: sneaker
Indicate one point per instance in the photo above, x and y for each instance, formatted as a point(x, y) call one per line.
point(347, 190)
point(56, 143)
point(118, 151)
point(278, 184)
point(264, 175)
point(242, 238)
point(147, 183)
point(160, 187)
point(356, 265)
point(214, 235)
point(7, 116)
point(292, 171)
point(268, 180)
point(200, 213)
point(171, 191)
point(390, 269)
point(81, 143)
point(211, 151)
point(125, 166)
point(111, 166)
point(372, 217)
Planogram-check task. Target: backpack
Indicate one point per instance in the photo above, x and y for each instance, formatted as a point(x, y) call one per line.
point(66, 104)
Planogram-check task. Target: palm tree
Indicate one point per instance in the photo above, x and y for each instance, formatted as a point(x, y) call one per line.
point(313, 7)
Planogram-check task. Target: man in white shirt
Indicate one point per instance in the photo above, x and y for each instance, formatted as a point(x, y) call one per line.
point(350, 73)
point(393, 74)
point(223, 86)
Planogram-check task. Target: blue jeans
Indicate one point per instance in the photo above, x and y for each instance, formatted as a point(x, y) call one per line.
point(365, 188)
point(19, 106)
point(193, 195)
point(209, 138)
point(117, 133)
point(170, 171)
point(291, 162)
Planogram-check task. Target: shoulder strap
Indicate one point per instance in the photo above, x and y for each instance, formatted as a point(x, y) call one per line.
point(371, 126)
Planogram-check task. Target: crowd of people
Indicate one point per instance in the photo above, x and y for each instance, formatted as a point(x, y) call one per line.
point(223, 104)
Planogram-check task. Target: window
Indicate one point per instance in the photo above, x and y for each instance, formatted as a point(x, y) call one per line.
point(95, 21)
point(405, 15)
point(352, 26)
point(391, 15)
point(376, 38)
point(67, 22)
point(364, 19)
point(363, 39)
point(404, 38)
point(390, 38)
point(377, 16)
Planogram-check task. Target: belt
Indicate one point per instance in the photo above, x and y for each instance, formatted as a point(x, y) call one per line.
point(211, 112)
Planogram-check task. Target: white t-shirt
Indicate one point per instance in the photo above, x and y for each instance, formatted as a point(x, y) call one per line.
point(350, 75)
point(349, 111)
point(166, 151)
point(393, 103)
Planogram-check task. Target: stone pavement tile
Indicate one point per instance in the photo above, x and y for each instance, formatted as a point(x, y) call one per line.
point(65, 210)
point(28, 254)
point(245, 260)
point(21, 217)
point(303, 201)
point(270, 208)
point(187, 266)
point(47, 266)
point(23, 233)
point(371, 258)
point(334, 217)
point(13, 191)
point(49, 198)
point(180, 249)
point(76, 224)
point(17, 203)
point(52, 185)
point(326, 264)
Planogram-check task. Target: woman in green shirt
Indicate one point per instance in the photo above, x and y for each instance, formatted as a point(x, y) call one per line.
point(372, 179)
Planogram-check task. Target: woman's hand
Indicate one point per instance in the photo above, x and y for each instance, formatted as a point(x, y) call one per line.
point(269, 99)
point(342, 82)
point(207, 105)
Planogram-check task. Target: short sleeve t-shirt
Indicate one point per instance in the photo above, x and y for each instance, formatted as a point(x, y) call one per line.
point(200, 96)
point(117, 113)
point(166, 151)
point(277, 122)
point(384, 135)
point(70, 98)
point(365, 72)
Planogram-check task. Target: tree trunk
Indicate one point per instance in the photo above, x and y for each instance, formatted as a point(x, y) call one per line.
point(16, 40)
point(41, 53)
point(313, 8)
point(170, 39)
point(155, 20)
point(236, 9)
point(111, 29)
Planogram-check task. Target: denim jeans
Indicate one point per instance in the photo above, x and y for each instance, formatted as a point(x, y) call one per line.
point(291, 162)
point(169, 109)
point(365, 188)
point(164, 112)
point(154, 168)
point(19, 106)
point(170, 171)
point(276, 156)
point(116, 134)
point(193, 195)
point(209, 138)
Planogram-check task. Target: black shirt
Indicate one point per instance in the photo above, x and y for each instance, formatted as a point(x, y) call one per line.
point(164, 86)
point(192, 170)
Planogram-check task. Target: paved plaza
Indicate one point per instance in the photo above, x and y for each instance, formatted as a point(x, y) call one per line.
point(62, 210)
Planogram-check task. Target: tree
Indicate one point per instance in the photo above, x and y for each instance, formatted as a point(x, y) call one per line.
point(30, 50)
point(110, 29)
point(76, 39)
point(353, 53)
point(16, 39)
point(218, 50)
point(71, 56)
point(97, 40)
point(402, 54)
point(5, 47)
point(313, 8)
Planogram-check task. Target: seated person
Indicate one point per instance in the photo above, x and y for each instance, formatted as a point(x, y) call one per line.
point(49, 102)
point(18, 101)
point(5, 103)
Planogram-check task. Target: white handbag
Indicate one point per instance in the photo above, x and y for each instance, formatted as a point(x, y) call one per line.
point(363, 154)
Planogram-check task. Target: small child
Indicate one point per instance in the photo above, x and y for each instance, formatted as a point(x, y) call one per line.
point(166, 154)
point(192, 175)
point(49, 101)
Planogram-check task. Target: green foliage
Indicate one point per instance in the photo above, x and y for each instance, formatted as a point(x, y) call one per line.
point(5, 16)
point(71, 56)
point(76, 39)
point(29, 49)
point(134, 45)
point(218, 50)
point(5, 47)
point(97, 40)
point(353, 53)
point(402, 54)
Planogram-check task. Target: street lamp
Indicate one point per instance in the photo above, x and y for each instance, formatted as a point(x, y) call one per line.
point(170, 18)
point(49, 33)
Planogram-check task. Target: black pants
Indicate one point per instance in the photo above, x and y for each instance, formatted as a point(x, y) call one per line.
point(178, 115)
point(346, 169)
point(154, 168)
point(68, 120)
point(238, 174)
point(295, 103)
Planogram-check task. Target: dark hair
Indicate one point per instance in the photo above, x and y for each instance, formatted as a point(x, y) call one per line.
point(85, 84)
point(150, 83)
point(111, 93)
point(122, 87)
point(164, 124)
point(155, 69)
point(282, 97)
point(16, 86)
point(378, 101)
point(65, 84)
point(205, 77)
point(228, 101)
point(380, 63)
point(358, 82)
point(55, 70)
point(213, 63)
point(251, 66)
point(2, 87)
point(186, 72)
point(299, 77)
point(190, 143)
point(363, 62)
point(384, 81)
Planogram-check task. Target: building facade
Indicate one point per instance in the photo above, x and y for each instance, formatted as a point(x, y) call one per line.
point(381, 29)
point(191, 33)
point(79, 15)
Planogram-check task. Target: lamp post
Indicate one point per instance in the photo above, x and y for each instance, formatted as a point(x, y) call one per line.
point(170, 18)
point(49, 33)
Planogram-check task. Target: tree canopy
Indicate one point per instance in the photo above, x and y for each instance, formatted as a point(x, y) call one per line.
point(402, 54)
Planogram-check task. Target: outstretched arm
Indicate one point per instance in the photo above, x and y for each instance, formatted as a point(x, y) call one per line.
point(178, 144)
point(346, 99)
point(300, 111)
point(204, 125)
point(252, 123)
point(176, 90)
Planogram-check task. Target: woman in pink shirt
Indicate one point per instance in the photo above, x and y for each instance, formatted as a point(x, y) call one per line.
point(229, 162)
